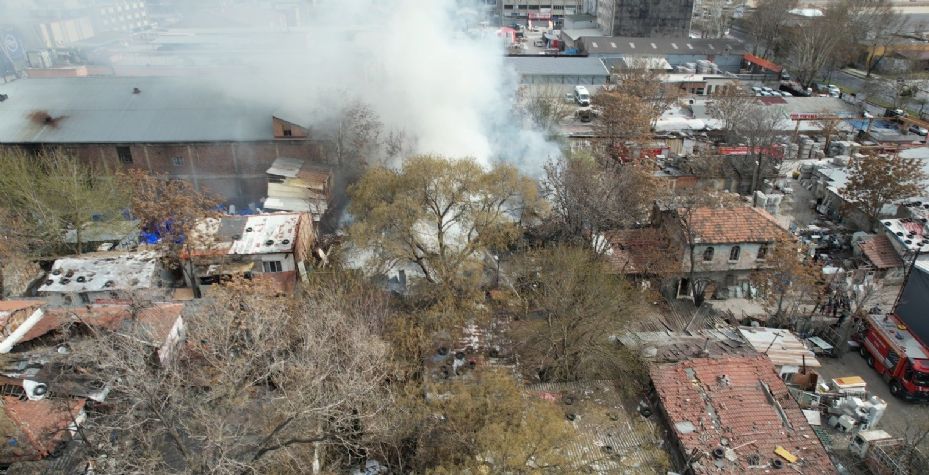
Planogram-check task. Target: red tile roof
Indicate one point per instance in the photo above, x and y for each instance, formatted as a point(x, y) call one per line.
point(881, 252)
point(734, 225)
point(14, 305)
point(43, 424)
point(157, 320)
point(705, 412)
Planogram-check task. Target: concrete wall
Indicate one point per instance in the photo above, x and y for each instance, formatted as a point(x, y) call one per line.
point(564, 79)
point(748, 258)
point(234, 170)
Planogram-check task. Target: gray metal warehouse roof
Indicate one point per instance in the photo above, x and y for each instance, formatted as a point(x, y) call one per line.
point(557, 66)
point(105, 110)
point(651, 46)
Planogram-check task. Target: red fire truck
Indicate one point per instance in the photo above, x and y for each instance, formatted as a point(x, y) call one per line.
point(891, 349)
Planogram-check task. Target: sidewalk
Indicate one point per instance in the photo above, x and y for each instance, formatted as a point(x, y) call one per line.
point(859, 73)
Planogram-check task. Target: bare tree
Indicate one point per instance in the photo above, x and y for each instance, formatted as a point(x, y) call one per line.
point(874, 25)
point(813, 47)
point(767, 25)
point(760, 128)
point(545, 105)
point(590, 195)
point(262, 385)
point(357, 137)
point(788, 279)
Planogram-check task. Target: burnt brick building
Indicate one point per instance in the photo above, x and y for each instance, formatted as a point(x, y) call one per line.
point(181, 127)
point(645, 18)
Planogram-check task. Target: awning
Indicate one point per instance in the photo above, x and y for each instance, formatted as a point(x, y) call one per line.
point(761, 62)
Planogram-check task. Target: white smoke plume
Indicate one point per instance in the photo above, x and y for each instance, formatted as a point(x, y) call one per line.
point(425, 67)
point(428, 68)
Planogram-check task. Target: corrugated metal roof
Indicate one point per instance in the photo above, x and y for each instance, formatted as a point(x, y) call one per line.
point(556, 66)
point(105, 110)
point(667, 46)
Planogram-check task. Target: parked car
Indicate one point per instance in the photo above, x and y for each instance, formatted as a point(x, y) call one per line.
point(919, 130)
point(894, 113)
point(756, 89)
point(581, 96)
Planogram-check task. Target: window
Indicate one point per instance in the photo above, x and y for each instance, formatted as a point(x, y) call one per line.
point(734, 253)
point(125, 155)
point(272, 266)
point(288, 132)
point(178, 161)
point(708, 254)
point(762, 251)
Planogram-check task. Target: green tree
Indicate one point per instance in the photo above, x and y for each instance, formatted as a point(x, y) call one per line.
point(877, 180)
point(53, 193)
point(489, 425)
point(440, 215)
point(572, 304)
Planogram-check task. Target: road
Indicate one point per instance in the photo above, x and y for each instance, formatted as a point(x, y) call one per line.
point(853, 83)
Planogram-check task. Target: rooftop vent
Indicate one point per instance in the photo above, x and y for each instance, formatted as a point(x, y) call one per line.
point(269, 242)
point(3, 97)
point(136, 90)
point(81, 279)
point(109, 283)
point(285, 242)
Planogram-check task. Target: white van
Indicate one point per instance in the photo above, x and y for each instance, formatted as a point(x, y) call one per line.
point(581, 96)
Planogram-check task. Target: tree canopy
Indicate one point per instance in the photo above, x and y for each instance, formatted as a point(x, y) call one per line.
point(876, 180)
point(440, 214)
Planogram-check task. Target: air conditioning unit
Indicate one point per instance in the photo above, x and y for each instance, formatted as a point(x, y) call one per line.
point(35, 390)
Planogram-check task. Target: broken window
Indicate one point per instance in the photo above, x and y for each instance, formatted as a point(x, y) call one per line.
point(272, 266)
point(708, 254)
point(762, 251)
point(734, 253)
point(125, 155)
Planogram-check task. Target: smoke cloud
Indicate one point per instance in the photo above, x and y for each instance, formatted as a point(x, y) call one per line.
point(427, 68)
